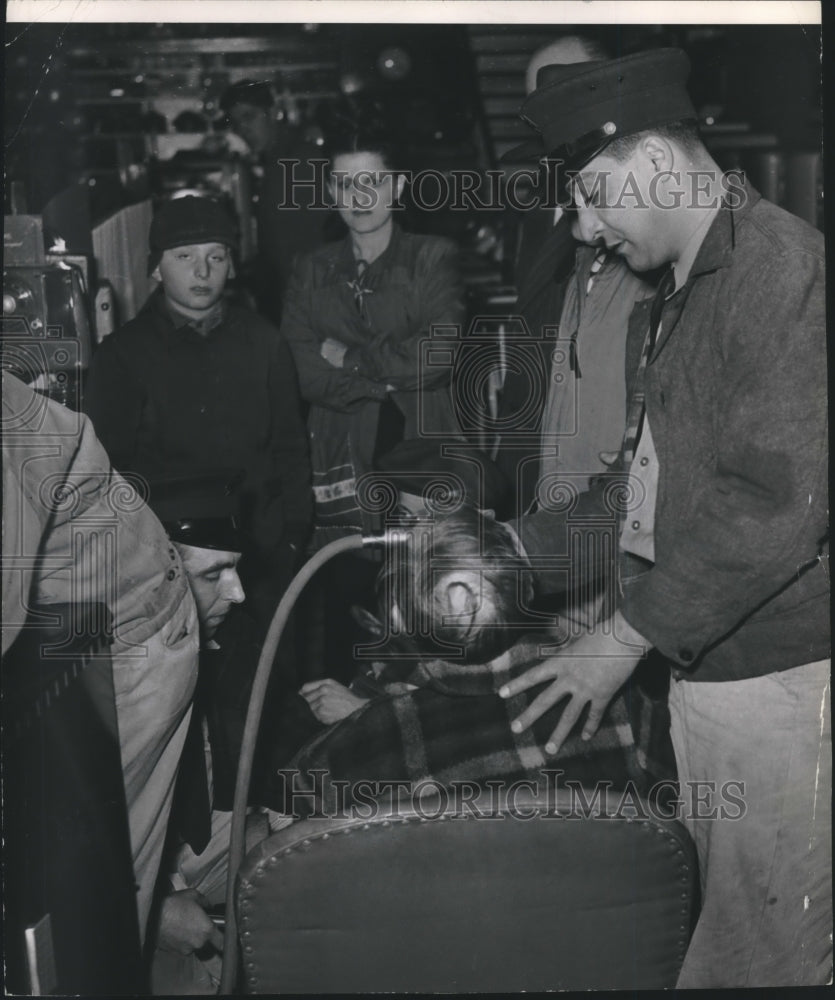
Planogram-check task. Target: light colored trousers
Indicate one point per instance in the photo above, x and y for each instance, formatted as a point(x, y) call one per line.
point(154, 686)
point(766, 917)
point(173, 974)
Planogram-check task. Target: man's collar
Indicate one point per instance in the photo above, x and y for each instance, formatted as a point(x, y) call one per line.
point(718, 245)
point(684, 265)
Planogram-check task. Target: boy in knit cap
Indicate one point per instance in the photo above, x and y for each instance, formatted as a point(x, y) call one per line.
point(195, 383)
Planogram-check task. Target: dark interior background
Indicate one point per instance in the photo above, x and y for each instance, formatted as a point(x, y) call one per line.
point(86, 104)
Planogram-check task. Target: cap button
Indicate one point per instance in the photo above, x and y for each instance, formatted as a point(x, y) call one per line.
point(610, 128)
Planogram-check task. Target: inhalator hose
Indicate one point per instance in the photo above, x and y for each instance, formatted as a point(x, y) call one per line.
point(253, 721)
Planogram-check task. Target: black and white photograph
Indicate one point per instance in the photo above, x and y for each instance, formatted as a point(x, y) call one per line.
point(415, 545)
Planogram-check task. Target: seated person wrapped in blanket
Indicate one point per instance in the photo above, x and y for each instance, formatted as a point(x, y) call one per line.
point(424, 706)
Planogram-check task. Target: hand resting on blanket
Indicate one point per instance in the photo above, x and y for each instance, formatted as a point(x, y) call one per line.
point(330, 701)
point(589, 671)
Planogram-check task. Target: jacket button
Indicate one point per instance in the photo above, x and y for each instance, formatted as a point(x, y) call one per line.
point(171, 574)
point(645, 461)
point(636, 525)
point(685, 654)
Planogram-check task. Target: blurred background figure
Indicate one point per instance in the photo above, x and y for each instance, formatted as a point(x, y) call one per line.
point(544, 259)
point(285, 176)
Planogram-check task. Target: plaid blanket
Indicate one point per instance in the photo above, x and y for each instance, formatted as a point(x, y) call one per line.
point(453, 727)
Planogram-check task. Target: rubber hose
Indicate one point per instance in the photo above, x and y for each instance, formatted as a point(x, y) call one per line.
point(253, 722)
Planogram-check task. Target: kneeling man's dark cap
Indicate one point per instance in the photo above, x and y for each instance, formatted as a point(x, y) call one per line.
point(579, 108)
point(200, 509)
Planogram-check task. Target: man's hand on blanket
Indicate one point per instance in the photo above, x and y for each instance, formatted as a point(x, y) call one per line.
point(184, 925)
point(330, 701)
point(589, 672)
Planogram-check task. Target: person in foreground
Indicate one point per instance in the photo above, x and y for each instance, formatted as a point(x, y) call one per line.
point(75, 531)
point(726, 533)
point(200, 516)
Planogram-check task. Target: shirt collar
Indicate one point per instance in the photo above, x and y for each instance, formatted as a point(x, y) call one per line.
point(203, 326)
point(347, 263)
point(716, 248)
point(684, 264)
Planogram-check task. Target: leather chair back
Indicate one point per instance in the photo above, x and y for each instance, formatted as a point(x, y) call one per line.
point(485, 896)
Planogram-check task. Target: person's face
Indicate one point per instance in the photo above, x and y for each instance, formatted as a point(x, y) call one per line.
point(253, 124)
point(194, 276)
point(215, 584)
point(617, 204)
point(364, 190)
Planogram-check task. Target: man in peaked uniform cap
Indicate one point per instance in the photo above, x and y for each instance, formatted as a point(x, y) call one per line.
point(723, 539)
point(579, 108)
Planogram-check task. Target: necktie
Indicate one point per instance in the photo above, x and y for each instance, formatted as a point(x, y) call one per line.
point(358, 286)
point(192, 809)
point(637, 404)
point(596, 265)
point(594, 270)
point(391, 423)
